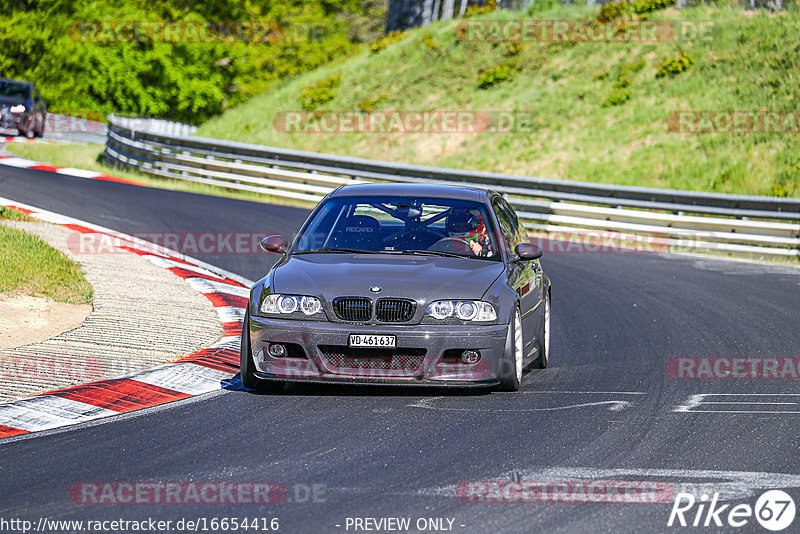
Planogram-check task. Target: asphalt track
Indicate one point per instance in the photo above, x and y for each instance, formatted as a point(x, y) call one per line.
point(605, 409)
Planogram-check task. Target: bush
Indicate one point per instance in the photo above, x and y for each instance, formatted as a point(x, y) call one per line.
point(488, 7)
point(512, 49)
point(672, 66)
point(623, 82)
point(370, 103)
point(188, 81)
point(617, 97)
point(318, 94)
point(385, 40)
point(624, 9)
point(496, 75)
point(430, 42)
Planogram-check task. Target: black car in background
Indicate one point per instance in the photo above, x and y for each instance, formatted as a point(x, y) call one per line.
point(22, 107)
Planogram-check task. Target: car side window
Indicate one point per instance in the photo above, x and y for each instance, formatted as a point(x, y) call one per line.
point(522, 232)
point(508, 228)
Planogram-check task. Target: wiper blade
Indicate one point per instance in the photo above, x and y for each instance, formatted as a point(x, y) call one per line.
point(435, 253)
point(339, 250)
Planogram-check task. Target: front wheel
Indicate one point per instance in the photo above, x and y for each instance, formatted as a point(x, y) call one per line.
point(38, 131)
point(247, 367)
point(511, 366)
point(544, 337)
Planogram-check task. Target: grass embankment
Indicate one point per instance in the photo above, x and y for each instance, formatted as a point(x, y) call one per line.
point(29, 266)
point(600, 109)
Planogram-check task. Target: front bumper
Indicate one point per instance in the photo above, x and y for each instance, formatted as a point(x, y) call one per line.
point(425, 354)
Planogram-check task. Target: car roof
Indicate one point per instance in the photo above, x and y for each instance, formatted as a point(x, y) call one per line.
point(459, 192)
point(19, 82)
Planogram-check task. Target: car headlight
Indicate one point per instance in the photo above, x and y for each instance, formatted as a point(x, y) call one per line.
point(17, 109)
point(464, 310)
point(287, 304)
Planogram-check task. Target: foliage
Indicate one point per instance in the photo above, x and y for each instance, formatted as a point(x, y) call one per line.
point(318, 94)
point(51, 43)
point(626, 9)
point(385, 40)
point(618, 96)
point(674, 65)
point(495, 75)
point(473, 11)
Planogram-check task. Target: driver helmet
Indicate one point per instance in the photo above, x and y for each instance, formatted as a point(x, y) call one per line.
point(465, 224)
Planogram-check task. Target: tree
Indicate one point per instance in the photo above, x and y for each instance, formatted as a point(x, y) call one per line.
point(403, 14)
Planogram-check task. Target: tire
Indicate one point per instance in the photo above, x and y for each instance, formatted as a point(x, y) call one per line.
point(26, 125)
point(39, 131)
point(511, 366)
point(544, 338)
point(247, 367)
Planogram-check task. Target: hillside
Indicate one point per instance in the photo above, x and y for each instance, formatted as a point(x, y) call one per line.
point(596, 111)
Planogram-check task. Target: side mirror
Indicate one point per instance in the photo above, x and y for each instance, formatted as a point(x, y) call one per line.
point(274, 243)
point(528, 251)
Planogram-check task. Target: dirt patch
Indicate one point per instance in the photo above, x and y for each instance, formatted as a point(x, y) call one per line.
point(25, 320)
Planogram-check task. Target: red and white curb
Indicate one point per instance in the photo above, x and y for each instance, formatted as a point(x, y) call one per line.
point(23, 163)
point(206, 370)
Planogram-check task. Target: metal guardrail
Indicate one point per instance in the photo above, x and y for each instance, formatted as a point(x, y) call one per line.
point(752, 225)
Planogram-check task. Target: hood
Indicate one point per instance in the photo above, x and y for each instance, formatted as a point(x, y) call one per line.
point(422, 278)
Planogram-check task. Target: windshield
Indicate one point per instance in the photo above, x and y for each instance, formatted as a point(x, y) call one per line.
point(401, 225)
point(13, 90)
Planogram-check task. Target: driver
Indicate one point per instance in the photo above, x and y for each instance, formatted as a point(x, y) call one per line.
point(468, 225)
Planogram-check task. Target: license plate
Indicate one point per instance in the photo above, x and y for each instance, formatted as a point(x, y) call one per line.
point(367, 340)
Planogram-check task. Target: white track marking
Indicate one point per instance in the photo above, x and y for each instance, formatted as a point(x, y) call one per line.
point(227, 342)
point(591, 392)
point(615, 406)
point(699, 400)
point(188, 378)
point(65, 408)
point(78, 173)
point(731, 485)
point(19, 162)
point(205, 286)
point(230, 314)
point(169, 264)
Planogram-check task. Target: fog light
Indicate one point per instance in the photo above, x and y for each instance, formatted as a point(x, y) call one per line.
point(277, 350)
point(470, 356)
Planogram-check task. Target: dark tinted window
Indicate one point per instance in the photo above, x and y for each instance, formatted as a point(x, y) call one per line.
point(508, 223)
point(14, 90)
point(399, 224)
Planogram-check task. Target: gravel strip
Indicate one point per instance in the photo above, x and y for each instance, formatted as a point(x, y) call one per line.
point(143, 316)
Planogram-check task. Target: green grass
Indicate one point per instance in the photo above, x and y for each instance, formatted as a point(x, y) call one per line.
point(31, 267)
point(600, 109)
point(86, 157)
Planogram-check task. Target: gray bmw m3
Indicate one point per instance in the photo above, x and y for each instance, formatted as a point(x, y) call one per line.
point(400, 284)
